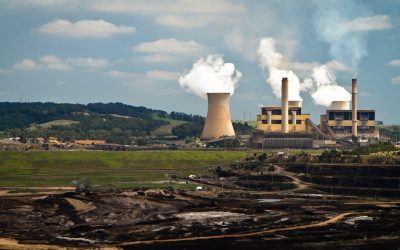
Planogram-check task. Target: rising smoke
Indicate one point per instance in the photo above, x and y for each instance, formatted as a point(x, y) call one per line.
point(321, 84)
point(344, 25)
point(323, 87)
point(332, 21)
point(210, 75)
point(270, 61)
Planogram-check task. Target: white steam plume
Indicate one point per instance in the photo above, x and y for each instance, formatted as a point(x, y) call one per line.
point(321, 84)
point(210, 75)
point(344, 24)
point(323, 87)
point(270, 61)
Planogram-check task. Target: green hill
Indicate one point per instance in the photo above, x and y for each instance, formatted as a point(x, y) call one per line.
point(113, 122)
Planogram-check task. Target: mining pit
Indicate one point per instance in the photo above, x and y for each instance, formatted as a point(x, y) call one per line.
point(238, 209)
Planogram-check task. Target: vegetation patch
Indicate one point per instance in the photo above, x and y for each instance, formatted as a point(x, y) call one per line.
point(41, 168)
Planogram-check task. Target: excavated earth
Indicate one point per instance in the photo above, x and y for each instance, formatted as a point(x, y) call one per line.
point(165, 219)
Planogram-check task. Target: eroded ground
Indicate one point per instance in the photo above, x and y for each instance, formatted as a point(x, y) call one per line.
point(280, 207)
point(174, 220)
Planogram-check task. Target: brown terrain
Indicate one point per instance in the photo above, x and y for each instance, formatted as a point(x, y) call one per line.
point(255, 209)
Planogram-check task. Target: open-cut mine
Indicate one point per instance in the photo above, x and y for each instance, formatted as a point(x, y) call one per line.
point(279, 208)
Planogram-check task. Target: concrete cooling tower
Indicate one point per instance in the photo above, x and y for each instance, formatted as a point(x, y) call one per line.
point(340, 105)
point(218, 121)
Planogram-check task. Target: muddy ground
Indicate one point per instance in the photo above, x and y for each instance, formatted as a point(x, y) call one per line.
point(160, 219)
point(284, 207)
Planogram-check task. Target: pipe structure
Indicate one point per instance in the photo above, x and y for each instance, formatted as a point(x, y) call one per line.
point(294, 119)
point(285, 106)
point(218, 121)
point(269, 117)
point(354, 107)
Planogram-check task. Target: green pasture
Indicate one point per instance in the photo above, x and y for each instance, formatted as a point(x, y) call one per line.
point(59, 168)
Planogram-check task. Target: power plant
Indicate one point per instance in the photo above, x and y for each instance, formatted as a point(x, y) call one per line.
point(218, 122)
point(342, 122)
point(286, 126)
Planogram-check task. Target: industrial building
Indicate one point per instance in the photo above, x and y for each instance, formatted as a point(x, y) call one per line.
point(271, 118)
point(287, 118)
point(341, 122)
point(285, 126)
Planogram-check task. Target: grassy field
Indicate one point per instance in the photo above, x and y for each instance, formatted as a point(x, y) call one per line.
point(54, 123)
point(59, 168)
point(166, 129)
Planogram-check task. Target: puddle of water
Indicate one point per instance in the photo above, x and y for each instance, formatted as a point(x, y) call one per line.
point(354, 220)
point(268, 200)
point(207, 215)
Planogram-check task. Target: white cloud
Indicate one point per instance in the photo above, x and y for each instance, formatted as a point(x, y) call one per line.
point(139, 7)
point(149, 76)
point(158, 58)
point(170, 46)
point(84, 28)
point(54, 63)
point(155, 7)
point(181, 21)
point(339, 67)
point(395, 62)
point(122, 75)
point(88, 62)
point(371, 23)
point(27, 64)
point(51, 62)
point(43, 3)
point(396, 80)
point(162, 75)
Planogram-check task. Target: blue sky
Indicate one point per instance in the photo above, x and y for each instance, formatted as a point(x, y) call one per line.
point(134, 51)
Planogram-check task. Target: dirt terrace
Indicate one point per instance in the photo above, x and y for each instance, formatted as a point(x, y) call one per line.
point(162, 219)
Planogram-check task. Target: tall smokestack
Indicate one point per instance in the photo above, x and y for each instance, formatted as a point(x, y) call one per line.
point(218, 121)
point(354, 107)
point(285, 105)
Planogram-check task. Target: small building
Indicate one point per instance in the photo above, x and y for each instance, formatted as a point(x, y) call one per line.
point(90, 142)
point(39, 140)
point(54, 140)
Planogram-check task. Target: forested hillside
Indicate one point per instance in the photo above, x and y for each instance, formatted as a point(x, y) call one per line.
point(113, 122)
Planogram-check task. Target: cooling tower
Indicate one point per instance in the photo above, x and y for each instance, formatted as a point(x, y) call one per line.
point(285, 105)
point(354, 107)
point(218, 121)
point(340, 105)
point(295, 104)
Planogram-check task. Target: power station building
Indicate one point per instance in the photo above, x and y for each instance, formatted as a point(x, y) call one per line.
point(284, 126)
point(270, 119)
point(342, 122)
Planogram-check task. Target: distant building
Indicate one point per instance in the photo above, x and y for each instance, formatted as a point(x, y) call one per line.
point(339, 121)
point(54, 140)
point(39, 140)
point(270, 119)
point(90, 142)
